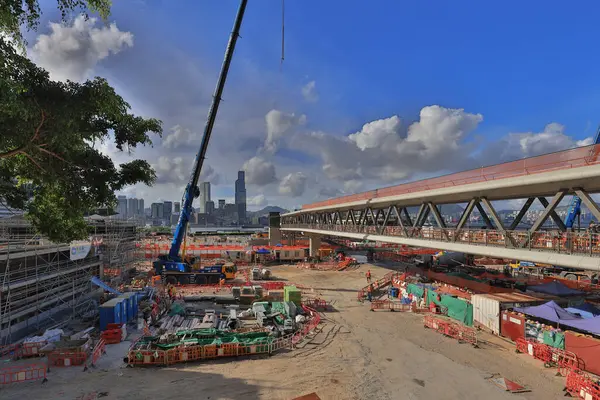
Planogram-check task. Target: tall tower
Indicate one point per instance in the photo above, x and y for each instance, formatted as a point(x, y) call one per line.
point(132, 207)
point(122, 207)
point(240, 196)
point(204, 197)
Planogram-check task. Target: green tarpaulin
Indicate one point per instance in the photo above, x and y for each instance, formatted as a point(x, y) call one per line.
point(416, 290)
point(458, 309)
point(555, 339)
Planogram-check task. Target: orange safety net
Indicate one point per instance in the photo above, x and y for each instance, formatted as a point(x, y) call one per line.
point(573, 158)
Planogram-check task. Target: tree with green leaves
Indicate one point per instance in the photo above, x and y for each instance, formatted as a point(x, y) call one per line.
point(49, 132)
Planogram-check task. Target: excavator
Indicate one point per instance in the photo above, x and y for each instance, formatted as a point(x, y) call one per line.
point(175, 267)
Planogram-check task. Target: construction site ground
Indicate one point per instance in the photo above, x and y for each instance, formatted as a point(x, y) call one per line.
point(358, 354)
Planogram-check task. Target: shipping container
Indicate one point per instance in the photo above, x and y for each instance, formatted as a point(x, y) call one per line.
point(512, 325)
point(487, 307)
point(585, 347)
point(111, 312)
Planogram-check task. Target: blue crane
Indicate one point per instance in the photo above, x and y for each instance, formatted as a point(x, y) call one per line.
point(575, 206)
point(173, 261)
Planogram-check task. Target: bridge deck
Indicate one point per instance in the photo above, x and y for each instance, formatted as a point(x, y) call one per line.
point(567, 249)
point(536, 176)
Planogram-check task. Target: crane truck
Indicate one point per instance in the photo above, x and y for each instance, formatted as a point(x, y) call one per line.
point(173, 267)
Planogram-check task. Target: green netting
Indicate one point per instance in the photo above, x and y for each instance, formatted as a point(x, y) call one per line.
point(554, 339)
point(416, 290)
point(458, 309)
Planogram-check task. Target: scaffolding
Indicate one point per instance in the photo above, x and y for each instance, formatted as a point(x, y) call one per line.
point(42, 286)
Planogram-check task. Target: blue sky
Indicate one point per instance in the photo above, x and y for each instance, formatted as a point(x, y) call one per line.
point(512, 67)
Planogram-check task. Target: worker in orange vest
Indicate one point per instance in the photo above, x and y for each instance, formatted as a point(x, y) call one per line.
point(370, 292)
point(368, 276)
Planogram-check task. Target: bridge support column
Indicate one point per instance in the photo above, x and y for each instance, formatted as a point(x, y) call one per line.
point(314, 244)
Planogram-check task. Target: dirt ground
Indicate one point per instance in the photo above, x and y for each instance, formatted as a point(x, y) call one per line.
point(357, 354)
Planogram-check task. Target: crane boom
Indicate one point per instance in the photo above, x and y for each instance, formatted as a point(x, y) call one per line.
point(192, 191)
point(575, 205)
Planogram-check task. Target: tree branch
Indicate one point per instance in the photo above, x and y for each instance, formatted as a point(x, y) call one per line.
point(32, 160)
point(35, 136)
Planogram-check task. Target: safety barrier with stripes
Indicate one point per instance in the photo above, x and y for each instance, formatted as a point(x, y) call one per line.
point(564, 360)
point(97, 352)
point(141, 357)
point(23, 373)
point(451, 329)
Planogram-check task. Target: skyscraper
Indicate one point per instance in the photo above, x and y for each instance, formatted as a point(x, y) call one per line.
point(204, 197)
point(122, 207)
point(221, 204)
point(157, 210)
point(177, 207)
point(240, 196)
point(140, 207)
point(167, 210)
point(132, 207)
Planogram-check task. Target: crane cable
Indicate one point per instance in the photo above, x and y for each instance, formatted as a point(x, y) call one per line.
point(282, 35)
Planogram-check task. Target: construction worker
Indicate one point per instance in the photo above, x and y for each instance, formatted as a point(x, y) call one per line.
point(368, 276)
point(370, 293)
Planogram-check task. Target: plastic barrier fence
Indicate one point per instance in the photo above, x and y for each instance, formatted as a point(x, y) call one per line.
point(32, 349)
point(97, 352)
point(66, 359)
point(451, 329)
point(550, 356)
point(23, 373)
point(140, 357)
point(390, 305)
point(317, 304)
point(581, 385)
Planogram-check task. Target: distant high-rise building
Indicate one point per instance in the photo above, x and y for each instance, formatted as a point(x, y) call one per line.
point(221, 204)
point(240, 196)
point(177, 207)
point(140, 207)
point(132, 207)
point(204, 197)
point(157, 210)
point(122, 206)
point(210, 207)
point(167, 210)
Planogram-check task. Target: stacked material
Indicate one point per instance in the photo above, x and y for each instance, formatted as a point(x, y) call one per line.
point(293, 294)
point(202, 337)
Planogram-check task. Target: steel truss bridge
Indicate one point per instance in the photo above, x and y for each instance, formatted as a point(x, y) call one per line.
point(382, 214)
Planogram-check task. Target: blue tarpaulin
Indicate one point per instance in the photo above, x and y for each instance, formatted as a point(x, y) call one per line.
point(263, 251)
point(586, 310)
point(555, 288)
point(551, 311)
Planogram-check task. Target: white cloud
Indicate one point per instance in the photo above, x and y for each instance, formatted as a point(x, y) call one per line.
point(177, 171)
point(278, 124)
point(178, 137)
point(257, 201)
point(72, 52)
point(293, 184)
point(259, 171)
point(529, 144)
point(309, 92)
point(380, 152)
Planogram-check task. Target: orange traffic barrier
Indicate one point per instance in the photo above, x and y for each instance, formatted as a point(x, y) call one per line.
point(97, 352)
point(23, 373)
point(551, 356)
point(66, 358)
point(582, 386)
point(32, 349)
point(390, 305)
point(451, 329)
